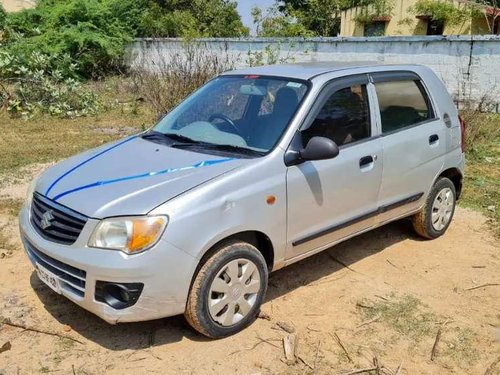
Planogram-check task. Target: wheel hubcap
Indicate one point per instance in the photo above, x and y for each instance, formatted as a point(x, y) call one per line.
point(234, 292)
point(442, 208)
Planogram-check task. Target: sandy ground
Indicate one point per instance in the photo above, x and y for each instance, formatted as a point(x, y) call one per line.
point(338, 302)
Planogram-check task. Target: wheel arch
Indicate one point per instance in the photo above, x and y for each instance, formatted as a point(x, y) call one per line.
point(455, 175)
point(254, 237)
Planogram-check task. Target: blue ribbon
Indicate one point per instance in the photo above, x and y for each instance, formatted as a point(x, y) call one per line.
point(85, 162)
point(137, 176)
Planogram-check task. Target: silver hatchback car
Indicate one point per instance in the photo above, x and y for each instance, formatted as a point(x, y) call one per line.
point(257, 169)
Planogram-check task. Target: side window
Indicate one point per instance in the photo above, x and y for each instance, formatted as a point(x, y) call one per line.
point(402, 103)
point(344, 118)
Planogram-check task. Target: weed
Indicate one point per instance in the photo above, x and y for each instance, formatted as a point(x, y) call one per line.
point(482, 175)
point(461, 348)
point(10, 206)
point(65, 344)
point(407, 315)
point(4, 238)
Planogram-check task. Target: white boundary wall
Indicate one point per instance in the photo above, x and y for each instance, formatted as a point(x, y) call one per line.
point(468, 65)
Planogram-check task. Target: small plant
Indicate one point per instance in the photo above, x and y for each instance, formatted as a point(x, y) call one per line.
point(375, 10)
point(270, 55)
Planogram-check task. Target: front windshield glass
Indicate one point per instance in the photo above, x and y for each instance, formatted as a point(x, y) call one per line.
point(240, 113)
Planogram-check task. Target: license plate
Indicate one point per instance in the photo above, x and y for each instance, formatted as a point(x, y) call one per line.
point(48, 278)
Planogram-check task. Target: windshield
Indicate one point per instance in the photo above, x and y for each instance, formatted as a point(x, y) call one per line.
point(235, 113)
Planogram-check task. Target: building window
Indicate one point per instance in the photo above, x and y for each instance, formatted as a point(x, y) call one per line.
point(435, 27)
point(375, 28)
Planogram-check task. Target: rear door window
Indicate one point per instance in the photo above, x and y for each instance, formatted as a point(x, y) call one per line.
point(402, 103)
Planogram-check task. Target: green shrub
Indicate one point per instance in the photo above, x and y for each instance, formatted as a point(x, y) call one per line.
point(42, 83)
point(3, 17)
point(447, 12)
point(88, 31)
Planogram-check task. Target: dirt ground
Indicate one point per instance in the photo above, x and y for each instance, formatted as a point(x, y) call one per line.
point(381, 297)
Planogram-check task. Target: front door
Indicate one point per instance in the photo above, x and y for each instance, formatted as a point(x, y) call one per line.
point(331, 199)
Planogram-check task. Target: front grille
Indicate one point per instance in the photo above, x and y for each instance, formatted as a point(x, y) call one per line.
point(60, 225)
point(71, 278)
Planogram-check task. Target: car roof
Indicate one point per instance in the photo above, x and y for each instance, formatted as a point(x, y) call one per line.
point(310, 70)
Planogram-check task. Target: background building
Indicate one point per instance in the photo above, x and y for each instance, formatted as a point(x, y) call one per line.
point(408, 17)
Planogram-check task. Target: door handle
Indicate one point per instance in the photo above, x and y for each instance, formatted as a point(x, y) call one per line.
point(433, 139)
point(365, 160)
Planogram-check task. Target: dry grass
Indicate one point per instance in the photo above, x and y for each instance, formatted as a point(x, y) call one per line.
point(45, 139)
point(407, 315)
point(10, 206)
point(461, 347)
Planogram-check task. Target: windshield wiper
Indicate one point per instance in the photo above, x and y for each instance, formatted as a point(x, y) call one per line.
point(169, 138)
point(232, 149)
point(184, 142)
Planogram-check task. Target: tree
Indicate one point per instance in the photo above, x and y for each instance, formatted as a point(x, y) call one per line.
point(276, 24)
point(492, 14)
point(192, 18)
point(305, 17)
point(320, 16)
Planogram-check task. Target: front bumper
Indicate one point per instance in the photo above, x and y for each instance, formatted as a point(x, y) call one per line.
point(165, 271)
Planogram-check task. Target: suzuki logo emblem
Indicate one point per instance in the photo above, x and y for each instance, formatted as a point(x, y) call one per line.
point(47, 218)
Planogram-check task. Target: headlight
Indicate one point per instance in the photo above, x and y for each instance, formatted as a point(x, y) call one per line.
point(128, 234)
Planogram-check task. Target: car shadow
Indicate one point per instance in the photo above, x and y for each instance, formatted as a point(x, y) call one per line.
point(141, 335)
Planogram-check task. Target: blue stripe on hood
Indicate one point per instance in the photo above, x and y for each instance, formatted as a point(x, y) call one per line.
point(133, 177)
point(85, 162)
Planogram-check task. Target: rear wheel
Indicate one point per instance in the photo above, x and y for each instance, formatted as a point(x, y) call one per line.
point(228, 290)
point(437, 213)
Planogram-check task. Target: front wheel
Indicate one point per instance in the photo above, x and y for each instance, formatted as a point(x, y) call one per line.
point(228, 290)
point(435, 217)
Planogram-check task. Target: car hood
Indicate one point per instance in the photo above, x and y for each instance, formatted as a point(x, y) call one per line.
point(129, 177)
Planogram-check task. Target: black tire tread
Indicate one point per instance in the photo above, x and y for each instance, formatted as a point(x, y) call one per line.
point(421, 220)
point(192, 313)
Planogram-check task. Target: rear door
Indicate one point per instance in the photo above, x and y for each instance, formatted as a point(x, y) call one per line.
point(413, 140)
point(331, 199)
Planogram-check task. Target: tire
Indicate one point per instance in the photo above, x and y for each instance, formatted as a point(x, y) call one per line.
point(423, 220)
point(214, 287)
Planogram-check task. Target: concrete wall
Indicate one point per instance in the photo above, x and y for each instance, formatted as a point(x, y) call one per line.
point(469, 66)
point(403, 22)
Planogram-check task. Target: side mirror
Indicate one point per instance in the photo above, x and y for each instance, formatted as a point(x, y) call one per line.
point(319, 148)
